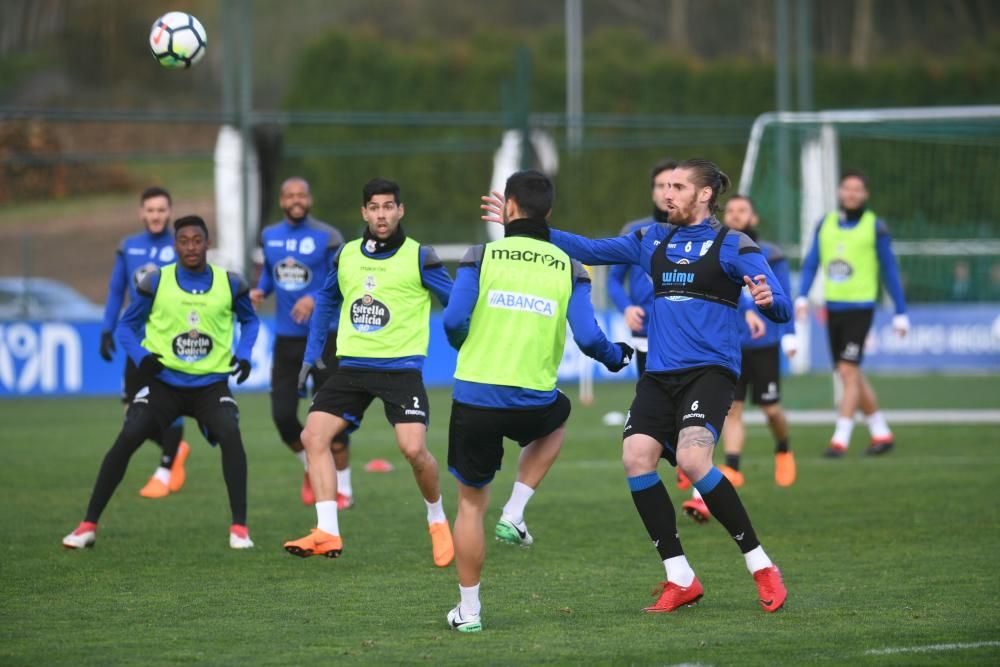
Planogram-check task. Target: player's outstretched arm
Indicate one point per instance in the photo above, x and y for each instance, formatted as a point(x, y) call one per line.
point(464, 295)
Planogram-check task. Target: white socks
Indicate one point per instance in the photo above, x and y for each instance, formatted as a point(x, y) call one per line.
point(519, 497)
point(470, 599)
point(878, 426)
point(302, 457)
point(162, 474)
point(435, 514)
point(679, 571)
point(326, 517)
point(757, 559)
point(842, 434)
point(344, 482)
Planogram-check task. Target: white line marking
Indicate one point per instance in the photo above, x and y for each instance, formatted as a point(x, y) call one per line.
point(931, 648)
point(892, 416)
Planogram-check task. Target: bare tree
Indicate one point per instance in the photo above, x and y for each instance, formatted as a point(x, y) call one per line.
point(677, 16)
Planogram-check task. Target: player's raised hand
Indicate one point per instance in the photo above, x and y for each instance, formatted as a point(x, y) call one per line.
point(493, 207)
point(256, 297)
point(633, 318)
point(759, 290)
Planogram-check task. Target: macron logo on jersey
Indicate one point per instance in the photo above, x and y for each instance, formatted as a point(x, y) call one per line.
point(526, 303)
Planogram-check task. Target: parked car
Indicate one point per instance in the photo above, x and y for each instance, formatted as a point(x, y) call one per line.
point(44, 299)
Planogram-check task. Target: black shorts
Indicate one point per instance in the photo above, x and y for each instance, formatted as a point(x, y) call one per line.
point(665, 403)
point(348, 392)
point(213, 405)
point(848, 330)
point(475, 435)
point(761, 371)
point(287, 362)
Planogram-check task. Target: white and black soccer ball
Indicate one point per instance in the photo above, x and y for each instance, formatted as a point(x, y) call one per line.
point(177, 39)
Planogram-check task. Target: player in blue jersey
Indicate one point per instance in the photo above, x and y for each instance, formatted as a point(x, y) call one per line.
point(298, 254)
point(381, 285)
point(761, 348)
point(629, 286)
point(180, 333)
point(854, 249)
point(698, 267)
point(136, 256)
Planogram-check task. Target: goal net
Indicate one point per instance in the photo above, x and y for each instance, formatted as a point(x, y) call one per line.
point(933, 175)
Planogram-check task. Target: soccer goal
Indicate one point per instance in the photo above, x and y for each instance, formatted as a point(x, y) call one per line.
point(933, 177)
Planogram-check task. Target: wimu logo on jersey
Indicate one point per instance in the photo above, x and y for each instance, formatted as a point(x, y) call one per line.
point(292, 275)
point(526, 303)
point(368, 314)
point(676, 277)
point(44, 357)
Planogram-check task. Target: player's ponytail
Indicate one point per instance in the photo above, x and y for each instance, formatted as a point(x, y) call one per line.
point(706, 174)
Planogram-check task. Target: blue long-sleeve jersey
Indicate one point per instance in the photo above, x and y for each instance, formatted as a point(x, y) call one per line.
point(133, 322)
point(779, 264)
point(435, 279)
point(136, 256)
point(886, 262)
point(640, 287)
point(686, 332)
point(580, 315)
point(297, 258)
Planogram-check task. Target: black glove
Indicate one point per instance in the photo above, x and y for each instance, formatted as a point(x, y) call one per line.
point(241, 369)
point(626, 359)
point(304, 375)
point(150, 366)
point(107, 345)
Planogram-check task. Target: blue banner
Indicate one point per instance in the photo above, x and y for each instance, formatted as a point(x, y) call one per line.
point(942, 338)
point(62, 359)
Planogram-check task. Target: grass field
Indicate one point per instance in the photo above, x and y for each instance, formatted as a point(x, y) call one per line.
point(895, 554)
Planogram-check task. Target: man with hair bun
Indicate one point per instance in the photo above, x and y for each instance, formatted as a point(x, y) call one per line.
point(698, 267)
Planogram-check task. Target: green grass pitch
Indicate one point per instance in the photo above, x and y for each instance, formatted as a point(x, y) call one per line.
point(891, 554)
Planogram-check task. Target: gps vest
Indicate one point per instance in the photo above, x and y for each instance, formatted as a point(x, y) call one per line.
point(849, 259)
point(518, 327)
point(193, 333)
point(703, 278)
point(386, 307)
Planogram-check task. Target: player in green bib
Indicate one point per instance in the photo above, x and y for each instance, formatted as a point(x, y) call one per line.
point(184, 360)
point(381, 284)
point(507, 318)
point(853, 249)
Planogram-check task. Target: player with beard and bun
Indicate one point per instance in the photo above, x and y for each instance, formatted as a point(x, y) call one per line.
point(382, 286)
point(698, 267)
point(137, 255)
point(180, 333)
point(760, 370)
point(298, 255)
point(854, 249)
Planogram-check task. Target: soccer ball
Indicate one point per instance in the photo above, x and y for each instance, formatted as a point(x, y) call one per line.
point(177, 40)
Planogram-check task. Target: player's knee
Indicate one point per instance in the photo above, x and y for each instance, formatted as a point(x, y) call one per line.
point(413, 450)
point(636, 459)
